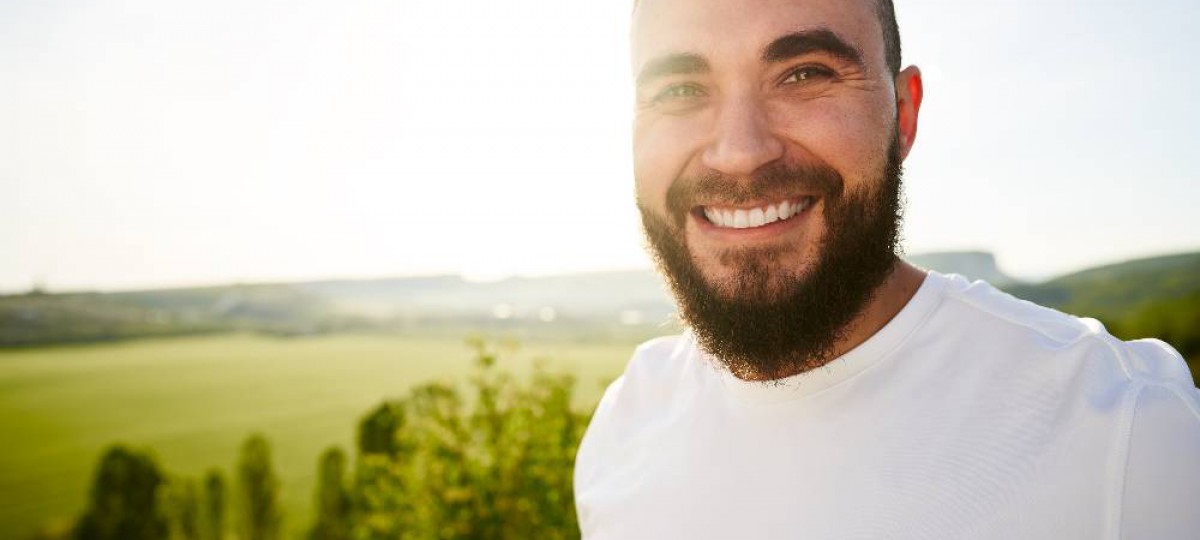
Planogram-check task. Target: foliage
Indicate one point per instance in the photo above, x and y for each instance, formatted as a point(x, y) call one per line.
point(377, 431)
point(1115, 291)
point(1176, 321)
point(39, 319)
point(124, 499)
point(492, 463)
point(214, 506)
point(259, 490)
point(95, 394)
point(580, 307)
point(1157, 297)
point(183, 509)
point(496, 467)
point(332, 498)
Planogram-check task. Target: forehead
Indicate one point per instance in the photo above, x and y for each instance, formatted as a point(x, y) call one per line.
point(736, 29)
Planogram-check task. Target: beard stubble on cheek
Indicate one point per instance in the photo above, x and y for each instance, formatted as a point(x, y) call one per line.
point(763, 319)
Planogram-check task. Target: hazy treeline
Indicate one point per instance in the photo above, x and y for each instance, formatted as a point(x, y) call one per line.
point(1152, 297)
point(494, 461)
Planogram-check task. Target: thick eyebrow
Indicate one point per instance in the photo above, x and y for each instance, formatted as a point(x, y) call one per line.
point(809, 41)
point(671, 64)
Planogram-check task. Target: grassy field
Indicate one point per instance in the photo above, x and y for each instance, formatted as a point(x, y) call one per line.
point(194, 400)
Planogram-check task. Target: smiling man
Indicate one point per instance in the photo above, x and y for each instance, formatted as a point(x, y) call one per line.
point(825, 388)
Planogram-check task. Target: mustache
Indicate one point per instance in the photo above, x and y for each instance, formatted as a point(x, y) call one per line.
point(775, 181)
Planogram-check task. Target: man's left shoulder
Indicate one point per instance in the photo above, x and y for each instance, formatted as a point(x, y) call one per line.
point(1024, 336)
point(986, 311)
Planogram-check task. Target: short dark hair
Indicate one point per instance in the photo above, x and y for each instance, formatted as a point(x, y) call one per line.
point(886, 12)
point(891, 34)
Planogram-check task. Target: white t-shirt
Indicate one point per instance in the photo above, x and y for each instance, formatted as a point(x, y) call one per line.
point(970, 415)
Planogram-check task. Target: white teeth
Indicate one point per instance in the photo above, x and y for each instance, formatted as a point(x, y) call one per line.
point(740, 220)
point(756, 217)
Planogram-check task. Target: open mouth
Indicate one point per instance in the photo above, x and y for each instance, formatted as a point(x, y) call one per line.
point(730, 217)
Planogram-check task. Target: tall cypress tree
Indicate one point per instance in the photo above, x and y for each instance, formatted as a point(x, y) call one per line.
point(260, 514)
point(332, 498)
point(214, 505)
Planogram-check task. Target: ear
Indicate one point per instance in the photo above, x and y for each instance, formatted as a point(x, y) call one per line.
point(909, 91)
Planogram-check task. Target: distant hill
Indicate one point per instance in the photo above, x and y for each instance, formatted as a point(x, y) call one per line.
point(1113, 290)
point(971, 264)
point(586, 306)
point(1155, 297)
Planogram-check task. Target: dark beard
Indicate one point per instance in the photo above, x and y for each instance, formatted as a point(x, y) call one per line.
point(769, 322)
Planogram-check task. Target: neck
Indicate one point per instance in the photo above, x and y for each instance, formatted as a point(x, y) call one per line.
point(890, 297)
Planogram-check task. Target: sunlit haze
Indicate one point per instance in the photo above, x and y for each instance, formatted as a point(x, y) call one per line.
point(149, 143)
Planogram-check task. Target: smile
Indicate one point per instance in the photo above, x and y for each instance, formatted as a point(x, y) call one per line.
point(727, 217)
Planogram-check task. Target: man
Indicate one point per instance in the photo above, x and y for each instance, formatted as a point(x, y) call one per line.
point(825, 388)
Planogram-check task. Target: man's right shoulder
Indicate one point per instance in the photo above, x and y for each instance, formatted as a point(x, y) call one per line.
point(652, 372)
point(661, 382)
point(660, 357)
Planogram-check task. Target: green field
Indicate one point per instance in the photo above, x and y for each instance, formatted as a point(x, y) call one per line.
point(192, 401)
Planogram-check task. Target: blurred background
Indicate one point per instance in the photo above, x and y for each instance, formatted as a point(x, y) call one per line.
point(318, 269)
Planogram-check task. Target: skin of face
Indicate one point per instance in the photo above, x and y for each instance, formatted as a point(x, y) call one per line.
point(724, 107)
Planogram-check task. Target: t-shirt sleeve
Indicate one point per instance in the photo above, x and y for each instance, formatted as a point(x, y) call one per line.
point(1162, 473)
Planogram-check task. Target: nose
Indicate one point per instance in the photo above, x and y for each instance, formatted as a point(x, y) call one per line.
point(742, 140)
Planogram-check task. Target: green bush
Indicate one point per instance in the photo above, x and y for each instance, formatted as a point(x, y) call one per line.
point(124, 499)
point(497, 467)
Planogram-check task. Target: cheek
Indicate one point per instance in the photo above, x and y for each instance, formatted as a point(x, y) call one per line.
point(851, 137)
point(663, 147)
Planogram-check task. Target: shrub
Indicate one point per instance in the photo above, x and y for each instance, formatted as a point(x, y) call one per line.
point(124, 499)
point(499, 466)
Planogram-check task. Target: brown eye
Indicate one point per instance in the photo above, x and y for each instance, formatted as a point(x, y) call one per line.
point(807, 74)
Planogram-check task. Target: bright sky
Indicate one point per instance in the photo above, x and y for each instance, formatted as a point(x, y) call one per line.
point(156, 143)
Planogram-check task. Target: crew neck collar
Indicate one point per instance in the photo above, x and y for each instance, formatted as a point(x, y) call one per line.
point(846, 366)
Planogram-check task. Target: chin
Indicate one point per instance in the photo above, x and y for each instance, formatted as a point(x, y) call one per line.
point(759, 275)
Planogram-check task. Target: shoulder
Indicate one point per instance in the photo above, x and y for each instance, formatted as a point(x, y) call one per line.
point(659, 359)
point(1134, 402)
point(659, 374)
point(1016, 345)
point(990, 316)
point(989, 308)
point(653, 373)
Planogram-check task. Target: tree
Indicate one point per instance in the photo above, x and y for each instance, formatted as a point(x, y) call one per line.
point(377, 432)
point(183, 506)
point(214, 505)
point(332, 498)
point(259, 489)
point(124, 499)
point(492, 464)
